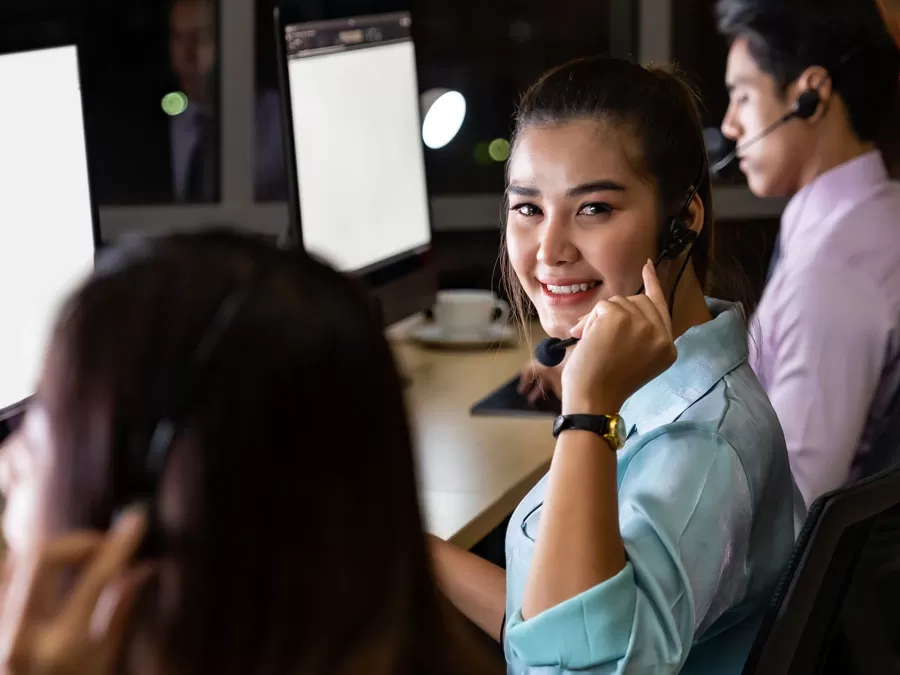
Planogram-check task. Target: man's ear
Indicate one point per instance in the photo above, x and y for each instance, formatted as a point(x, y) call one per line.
point(814, 78)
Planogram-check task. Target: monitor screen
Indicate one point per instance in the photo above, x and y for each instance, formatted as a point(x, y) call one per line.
point(359, 157)
point(46, 217)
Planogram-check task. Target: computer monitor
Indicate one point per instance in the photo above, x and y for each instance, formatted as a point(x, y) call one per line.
point(48, 225)
point(357, 189)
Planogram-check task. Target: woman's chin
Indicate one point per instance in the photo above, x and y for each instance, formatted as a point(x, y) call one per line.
point(557, 322)
point(557, 327)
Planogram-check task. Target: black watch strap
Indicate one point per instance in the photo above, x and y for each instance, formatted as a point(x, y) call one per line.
point(609, 427)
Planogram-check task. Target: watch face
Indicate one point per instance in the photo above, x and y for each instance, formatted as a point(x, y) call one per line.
point(617, 430)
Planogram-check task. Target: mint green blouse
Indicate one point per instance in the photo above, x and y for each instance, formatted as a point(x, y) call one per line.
point(707, 512)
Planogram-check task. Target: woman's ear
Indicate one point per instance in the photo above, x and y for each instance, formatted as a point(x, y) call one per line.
point(696, 214)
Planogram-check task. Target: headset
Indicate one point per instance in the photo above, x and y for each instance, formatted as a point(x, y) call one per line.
point(675, 238)
point(806, 105)
point(144, 472)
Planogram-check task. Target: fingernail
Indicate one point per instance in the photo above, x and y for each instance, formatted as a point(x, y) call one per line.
point(650, 262)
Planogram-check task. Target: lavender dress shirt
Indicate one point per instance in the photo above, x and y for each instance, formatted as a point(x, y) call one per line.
point(824, 341)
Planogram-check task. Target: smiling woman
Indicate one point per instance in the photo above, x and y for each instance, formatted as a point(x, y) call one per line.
point(560, 212)
point(640, 184)
point(668, 512)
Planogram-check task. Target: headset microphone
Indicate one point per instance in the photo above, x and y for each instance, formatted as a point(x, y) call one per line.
point(551, 352)
point(803, 109)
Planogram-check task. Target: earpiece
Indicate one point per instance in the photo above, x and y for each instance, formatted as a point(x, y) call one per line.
point(806, 105)
point(680, 236)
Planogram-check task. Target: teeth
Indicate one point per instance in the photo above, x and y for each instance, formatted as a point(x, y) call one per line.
point(574, 288)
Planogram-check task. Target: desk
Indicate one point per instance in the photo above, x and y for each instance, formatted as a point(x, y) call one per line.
point(472, 471)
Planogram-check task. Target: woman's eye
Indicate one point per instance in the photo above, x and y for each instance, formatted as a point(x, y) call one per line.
point(595, 209)
point(527, 210)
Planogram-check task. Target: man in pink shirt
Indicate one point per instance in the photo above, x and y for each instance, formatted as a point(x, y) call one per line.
point(825, 340)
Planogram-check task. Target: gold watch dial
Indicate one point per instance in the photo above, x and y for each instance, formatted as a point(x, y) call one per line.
point(616, 431)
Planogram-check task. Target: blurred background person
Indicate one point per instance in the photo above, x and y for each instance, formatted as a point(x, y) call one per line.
point(163, 137)
point(195, 165)
point(826, 335)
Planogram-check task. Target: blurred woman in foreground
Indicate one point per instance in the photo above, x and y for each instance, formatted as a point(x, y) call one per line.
point(207, 399)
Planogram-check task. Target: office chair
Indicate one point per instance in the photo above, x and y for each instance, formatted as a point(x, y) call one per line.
point(837, 608)
point(885, 450)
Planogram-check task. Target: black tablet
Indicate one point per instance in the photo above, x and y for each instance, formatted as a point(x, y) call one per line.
point(508, 402)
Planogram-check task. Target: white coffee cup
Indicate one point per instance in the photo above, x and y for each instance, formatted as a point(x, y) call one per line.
point(469, 311)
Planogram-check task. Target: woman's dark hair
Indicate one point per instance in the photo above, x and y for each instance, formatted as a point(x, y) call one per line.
point(846, 37)
point(658, 108)
point(289, 523)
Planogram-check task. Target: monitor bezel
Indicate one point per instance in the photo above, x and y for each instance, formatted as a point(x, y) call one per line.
point(385, 277)
point(36, 43)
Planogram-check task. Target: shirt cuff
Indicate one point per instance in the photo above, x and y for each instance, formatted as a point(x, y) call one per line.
point(592, 628)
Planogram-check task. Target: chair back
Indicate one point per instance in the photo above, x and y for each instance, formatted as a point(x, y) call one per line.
point(837, 607)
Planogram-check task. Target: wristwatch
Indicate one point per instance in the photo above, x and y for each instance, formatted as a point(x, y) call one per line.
point(610, 427)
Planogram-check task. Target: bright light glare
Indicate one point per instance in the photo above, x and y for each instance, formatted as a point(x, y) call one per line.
point(443, 119)
point(174, 103)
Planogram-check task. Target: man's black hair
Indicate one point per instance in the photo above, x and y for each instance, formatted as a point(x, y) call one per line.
point(846, 37)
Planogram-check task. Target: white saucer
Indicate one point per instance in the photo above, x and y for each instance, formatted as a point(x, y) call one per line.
point(493, 335)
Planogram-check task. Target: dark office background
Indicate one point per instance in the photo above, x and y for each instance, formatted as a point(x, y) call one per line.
point(489, 51)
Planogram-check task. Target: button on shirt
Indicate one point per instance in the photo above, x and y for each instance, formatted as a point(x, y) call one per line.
point(707, 512)
point(824, 341)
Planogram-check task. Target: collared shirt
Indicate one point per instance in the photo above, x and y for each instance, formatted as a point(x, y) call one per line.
point(707, 512)
point(824, 341)
point(183, 137)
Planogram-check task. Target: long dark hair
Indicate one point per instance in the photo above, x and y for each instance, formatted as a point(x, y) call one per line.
point(657, 107)
point(289, 523)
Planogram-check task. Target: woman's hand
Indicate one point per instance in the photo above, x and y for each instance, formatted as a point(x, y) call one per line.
point(624, 343)
point(46, 631)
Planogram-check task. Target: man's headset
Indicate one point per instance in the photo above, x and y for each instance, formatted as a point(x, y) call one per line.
point(675, 238)
point(804, 107)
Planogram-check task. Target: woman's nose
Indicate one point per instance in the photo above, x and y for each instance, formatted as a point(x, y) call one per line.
point(557, 247)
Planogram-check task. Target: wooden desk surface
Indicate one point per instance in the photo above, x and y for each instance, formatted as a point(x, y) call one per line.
point(473, 471)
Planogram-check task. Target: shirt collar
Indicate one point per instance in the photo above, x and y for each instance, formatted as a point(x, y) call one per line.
point(706, 353)
point(840, 188)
